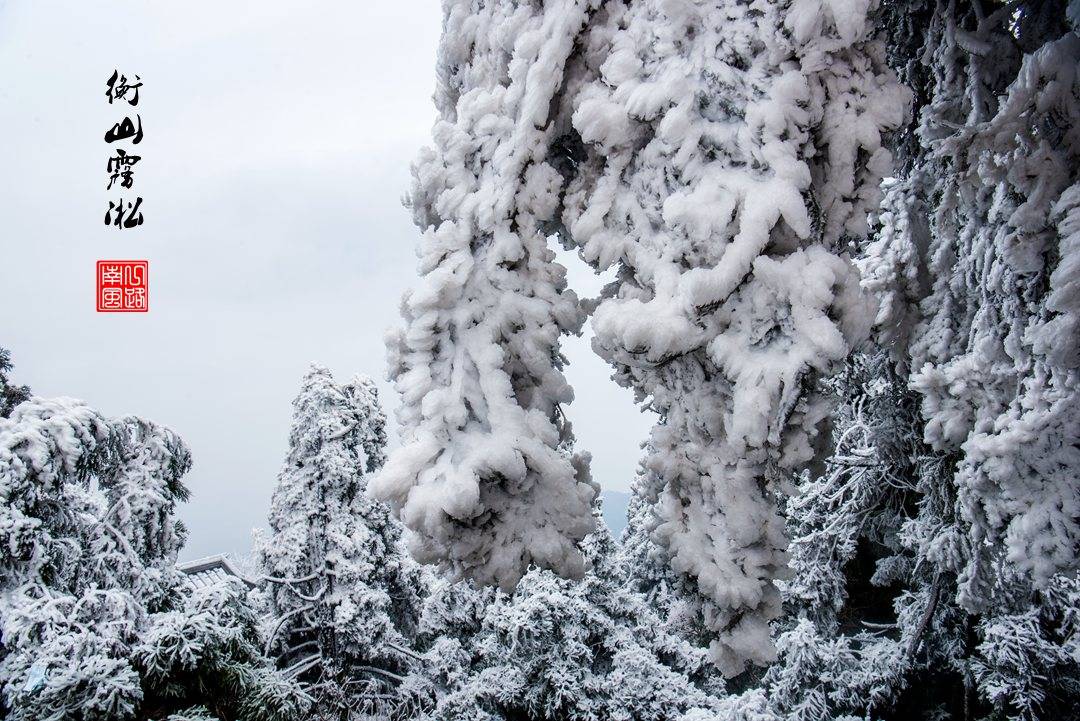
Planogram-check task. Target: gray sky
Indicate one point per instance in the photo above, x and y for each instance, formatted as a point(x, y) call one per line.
point(278, 136)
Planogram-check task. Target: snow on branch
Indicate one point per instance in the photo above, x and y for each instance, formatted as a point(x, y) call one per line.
point(731, 150)
point(485, 477)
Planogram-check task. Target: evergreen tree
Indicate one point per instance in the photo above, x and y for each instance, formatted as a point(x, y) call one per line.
point(10, 395)
point(944, 528)
point(88, 585)
point(560, 649)
point(206, 651)
point(343, 596)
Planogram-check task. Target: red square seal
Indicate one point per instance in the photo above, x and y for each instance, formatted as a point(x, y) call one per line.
point(123, 286)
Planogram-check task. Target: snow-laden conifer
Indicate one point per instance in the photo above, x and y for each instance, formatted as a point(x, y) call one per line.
point(559, 649)
point(942, 527)
point(87, 517)
point(1000, 382)
point(723, 158)
point(342, 593)
point(485, 477)
point(731, 151)
point(990, 354)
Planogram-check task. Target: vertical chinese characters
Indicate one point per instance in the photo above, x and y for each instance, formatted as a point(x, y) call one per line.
point(121, 164)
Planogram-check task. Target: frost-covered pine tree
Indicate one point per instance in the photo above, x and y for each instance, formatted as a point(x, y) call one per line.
point(202, 657)
point(342, 593)
point(731, 151)
point(967, 535)
point(88, 581)
point(485, 477)
point(11, 395)
point(857, 601)
point(449, 626)
point(720, 154)
point(560, 649)
point(992, 353)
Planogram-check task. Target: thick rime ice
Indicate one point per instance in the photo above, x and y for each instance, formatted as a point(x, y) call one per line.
point(486, 478)
point(993, 350)
point(1000, 386)
point(721, 156)
point(731, 152)
point(340, 587)
point(94, 620)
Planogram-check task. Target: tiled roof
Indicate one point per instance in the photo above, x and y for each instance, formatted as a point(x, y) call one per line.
point(211, 570)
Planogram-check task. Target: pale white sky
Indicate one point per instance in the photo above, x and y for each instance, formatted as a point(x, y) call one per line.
point(278, 136)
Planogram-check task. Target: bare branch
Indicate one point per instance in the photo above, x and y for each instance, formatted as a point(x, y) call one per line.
point(924, 622)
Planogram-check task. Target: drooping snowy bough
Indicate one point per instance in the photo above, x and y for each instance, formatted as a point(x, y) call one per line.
point(485, 477)
point(993, 350)
point(95, 621)
point(732, 150)
point(721, 155)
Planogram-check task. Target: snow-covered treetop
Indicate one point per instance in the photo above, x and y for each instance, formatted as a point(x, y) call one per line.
point(11, 395)
point(339, 584)
point(74, 483)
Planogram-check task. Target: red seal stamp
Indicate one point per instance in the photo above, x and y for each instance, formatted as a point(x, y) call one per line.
point(123, 286)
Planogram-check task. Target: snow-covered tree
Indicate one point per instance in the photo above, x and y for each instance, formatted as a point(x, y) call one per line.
point(485, 477)
point(75, 590)
point(873, 624)
point(723, 158)
point(720, 154)
point(993, 356)
point(450, 623)
point(951, 488)
point(343, 595)
point(731, 152)
point(206, 651)
point(560, 649)
point(857, 601)
point(11, 395)
point(88, 575)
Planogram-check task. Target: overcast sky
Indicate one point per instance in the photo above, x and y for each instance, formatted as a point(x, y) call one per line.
point(277, 142)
